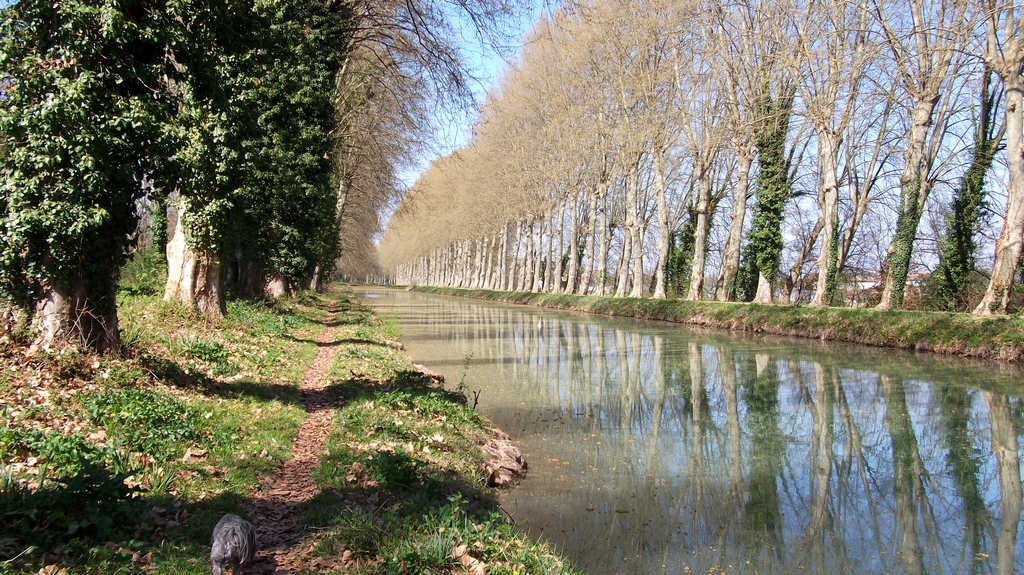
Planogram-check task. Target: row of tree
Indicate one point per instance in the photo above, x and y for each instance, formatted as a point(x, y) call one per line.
point(268, 132)
point(633, 136)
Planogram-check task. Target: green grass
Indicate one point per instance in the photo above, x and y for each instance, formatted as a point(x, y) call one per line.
point(992, 337)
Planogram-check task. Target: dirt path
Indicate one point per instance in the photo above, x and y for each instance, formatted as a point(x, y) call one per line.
point(275, 511)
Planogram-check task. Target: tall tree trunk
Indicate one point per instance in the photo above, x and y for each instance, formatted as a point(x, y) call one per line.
point(605, 245)
point(828, 154)
point(276, 286)
point(478, 263)
point(914, 188)
point(700, 232)
point(635, 228)
point(1008, 246)
point(194, 279)
point(488, 278)
point(663, 226)
point(538, 253)
point(592, 245)
point(503, 260)
point(725, 288)
point(85, 312)
point(519, 261)
point(774, 186)
point(624, 257)
point(574, 244)
point(555, 260)
point(764, 289)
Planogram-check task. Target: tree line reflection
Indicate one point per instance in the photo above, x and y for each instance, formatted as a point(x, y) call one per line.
point(657, 449)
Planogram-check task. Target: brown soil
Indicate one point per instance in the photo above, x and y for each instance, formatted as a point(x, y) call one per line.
point(275, 511)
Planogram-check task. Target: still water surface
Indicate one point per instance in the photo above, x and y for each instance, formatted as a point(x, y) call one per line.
point(655, 448)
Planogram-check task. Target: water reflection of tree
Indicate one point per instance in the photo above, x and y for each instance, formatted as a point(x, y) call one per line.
point(819, 528)
point(1004, 444)
point(906, 491)
point(854, 477)
point(965, 464)
point(762, 519)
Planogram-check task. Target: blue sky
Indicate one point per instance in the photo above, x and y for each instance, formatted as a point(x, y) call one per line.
point(488, 64)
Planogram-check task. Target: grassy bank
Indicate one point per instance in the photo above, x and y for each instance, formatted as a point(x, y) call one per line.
point(124, 464)
point(998, 337)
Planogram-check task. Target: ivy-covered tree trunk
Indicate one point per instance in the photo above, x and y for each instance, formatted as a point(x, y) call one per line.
point(914, 188)
point(158, 224)
point(1009, 244)
point(78, 126)
point(957, 247)
point(773, 188)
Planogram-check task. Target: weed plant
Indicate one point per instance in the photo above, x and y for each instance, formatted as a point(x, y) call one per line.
point(143, 421)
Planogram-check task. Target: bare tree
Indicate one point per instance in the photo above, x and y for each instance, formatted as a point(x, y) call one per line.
point(1004, 53)
point(832, 51)
point(928, 41)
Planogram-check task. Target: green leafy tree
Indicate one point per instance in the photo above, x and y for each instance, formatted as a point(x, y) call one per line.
point(289, 196)
point(215, 40)
point(80, 120)
point(257, 188)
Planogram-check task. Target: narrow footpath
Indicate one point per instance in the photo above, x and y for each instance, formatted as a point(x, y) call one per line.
point(276, 509)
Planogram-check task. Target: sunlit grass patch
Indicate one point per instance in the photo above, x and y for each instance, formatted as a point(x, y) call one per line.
point(184, 428)
point(451, 535)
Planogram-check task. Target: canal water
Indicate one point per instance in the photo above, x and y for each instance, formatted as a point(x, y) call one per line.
point(657, 448)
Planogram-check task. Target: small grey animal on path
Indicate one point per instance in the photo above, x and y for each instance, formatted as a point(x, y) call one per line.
point(233, 543)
